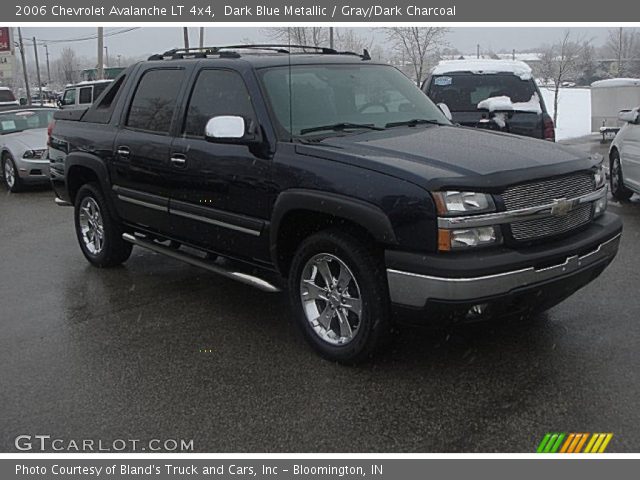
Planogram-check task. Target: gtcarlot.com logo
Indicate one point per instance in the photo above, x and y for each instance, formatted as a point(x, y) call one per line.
point(45, 443)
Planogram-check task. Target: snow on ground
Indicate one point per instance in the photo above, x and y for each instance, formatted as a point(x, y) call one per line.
point(574, 111)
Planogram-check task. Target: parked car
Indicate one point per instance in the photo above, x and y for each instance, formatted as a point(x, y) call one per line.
point(23, 146)
point(83, 94)
point(7, 98)
point(624, 157)
point(493, 94)
point(333, 177)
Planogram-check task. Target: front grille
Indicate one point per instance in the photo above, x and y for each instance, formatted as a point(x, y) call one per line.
point(546, 227)
point(544, 192)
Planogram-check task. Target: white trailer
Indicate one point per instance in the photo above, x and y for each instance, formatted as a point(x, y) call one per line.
point(608, 97)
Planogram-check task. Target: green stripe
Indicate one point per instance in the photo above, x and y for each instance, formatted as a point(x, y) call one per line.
point(543, 443)
point(558, 443)
point(550, 443)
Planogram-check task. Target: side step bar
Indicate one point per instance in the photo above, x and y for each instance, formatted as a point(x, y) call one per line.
point(245, 278)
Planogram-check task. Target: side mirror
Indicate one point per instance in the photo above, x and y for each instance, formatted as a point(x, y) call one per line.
point(23, 101)
point(445, 109)
point(228, 129)
point(629, 116)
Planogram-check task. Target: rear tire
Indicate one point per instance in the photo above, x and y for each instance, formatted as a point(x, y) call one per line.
point(98, 233)
point(616, 180)
point(10, 174)
point(339, 296)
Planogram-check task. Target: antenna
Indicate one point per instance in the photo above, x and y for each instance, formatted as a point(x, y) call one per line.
point(290, 86)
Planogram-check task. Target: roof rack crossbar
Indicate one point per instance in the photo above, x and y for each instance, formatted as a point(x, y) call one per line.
point(201, 52)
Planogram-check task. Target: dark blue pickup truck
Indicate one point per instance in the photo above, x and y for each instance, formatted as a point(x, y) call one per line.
point(335, 178)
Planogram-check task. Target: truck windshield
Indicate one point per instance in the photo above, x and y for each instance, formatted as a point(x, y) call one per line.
point(463, 92)
point(347, 97)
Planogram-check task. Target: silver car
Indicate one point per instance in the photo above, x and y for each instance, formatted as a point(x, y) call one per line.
point(624, 156)
point(23, 146)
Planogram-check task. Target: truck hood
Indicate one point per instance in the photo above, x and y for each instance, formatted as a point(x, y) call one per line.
point(451, 156)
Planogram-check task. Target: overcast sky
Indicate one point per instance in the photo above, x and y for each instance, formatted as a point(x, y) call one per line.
point(153, 40)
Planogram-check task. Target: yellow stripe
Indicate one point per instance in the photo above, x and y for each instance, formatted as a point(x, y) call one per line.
point(574, 443)
point(596, 446)
point(567, 442)
point(605, 443)
point(594, 437)
point(582, 440)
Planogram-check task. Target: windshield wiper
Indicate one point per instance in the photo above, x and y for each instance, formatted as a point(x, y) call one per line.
point(338, 127)
point(413, 122)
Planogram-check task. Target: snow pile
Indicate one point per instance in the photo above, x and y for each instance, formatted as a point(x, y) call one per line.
point(504, 104)
point(484, 67)
point(616, 82)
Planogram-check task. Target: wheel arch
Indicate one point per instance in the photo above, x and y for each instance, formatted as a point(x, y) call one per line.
point(299, 213)
point(82, 168)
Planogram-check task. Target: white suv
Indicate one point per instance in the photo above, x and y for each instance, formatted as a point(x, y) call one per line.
point(624, 156)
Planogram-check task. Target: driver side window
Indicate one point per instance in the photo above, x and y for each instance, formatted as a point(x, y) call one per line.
point(217, 92)
point(69, 97)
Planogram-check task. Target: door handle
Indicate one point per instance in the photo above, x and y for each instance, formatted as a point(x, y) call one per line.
point(179, 160)
point(123, 151)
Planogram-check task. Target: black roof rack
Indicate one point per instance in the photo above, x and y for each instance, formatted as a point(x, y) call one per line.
point(226, 51)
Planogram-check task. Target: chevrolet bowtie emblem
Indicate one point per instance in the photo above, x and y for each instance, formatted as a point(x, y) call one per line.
point(561, 206)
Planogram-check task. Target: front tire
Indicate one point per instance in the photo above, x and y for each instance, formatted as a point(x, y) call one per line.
point(618, 190)
point(10, 174)
point(339, 296)
point(99, 235)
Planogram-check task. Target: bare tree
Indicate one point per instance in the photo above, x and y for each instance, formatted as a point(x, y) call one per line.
point(68, 66)
point(418, 45)
point(559, 62)
point(348, 40)
point(621, 45)
point(311, 36)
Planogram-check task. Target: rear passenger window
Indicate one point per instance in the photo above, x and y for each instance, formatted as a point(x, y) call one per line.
point(155, 100)
point(217, 92)
point(85, 95)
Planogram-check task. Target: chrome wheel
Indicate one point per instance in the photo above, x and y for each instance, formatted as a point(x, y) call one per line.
point(91, 225)
point(9, 173)
point(331, 299)
point(615, 174)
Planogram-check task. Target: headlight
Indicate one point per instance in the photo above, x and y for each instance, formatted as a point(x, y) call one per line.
point(461, 203)
point(599, 177)
point(463, 238)
point(33, 154)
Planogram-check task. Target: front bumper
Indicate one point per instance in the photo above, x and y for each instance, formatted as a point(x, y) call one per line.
point(572, 263)
point(33, 170)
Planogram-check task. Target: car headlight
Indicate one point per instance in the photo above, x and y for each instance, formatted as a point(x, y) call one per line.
point(599, 177)
point(464, 238)
point(452, 203)
point(33, 154)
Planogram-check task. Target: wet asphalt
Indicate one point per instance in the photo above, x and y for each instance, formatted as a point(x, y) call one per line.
point(160, 349)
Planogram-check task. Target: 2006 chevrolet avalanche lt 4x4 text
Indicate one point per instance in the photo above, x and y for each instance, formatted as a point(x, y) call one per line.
point(336, 178)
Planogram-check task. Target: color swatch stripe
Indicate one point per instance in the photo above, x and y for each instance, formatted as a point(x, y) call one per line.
point(555, 442)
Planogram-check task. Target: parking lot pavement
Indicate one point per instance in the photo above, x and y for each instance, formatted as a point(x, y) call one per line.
point(160, 349)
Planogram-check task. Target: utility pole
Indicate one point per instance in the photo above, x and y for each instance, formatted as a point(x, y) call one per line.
point(35, 50)
point(185, 33)
point(513, 54)
point(46, 49)
point(119, 59)
point(106, 56)
point(100, 71)
point(24, 67)
point(478, 50)
point(330, 37)
point(201, 38)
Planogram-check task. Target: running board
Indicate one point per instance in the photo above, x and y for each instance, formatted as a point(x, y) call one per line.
point(245, 278)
